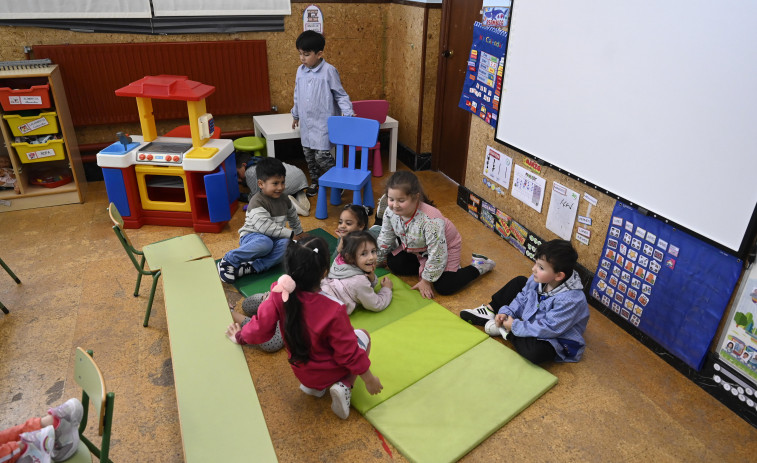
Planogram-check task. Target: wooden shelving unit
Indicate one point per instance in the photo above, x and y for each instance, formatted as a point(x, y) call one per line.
point(32, 196)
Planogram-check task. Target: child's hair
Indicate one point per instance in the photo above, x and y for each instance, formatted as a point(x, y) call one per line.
point(269, 167)
point(306, 261)
point(243, 157)
point(409, 184)
point(311, 41)
point(361, 214)
point(352, 242)
point(559, 254)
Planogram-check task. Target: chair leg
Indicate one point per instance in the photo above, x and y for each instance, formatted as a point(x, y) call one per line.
point(357, 196)
point(321, 208)
point(155, 279)
point(4, 309)
point(378, 168)
point(10, 272)
point(139, 276)
point(368, 195)
point(336, 196)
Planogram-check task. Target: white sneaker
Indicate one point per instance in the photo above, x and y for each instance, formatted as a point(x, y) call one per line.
point(478, 316)
point(67, 433)
point(493, 330)
point(301, 203)
point(311, 391)
point(340, 399)
point(482, 263)
point(39, 445)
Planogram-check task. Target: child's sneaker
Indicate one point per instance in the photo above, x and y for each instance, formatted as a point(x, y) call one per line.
point(67, 432)
point(311, 391)
point(492, 329)
point(312, 190)
point(301, 203)
point(226, 271)
point(478, 316)
point(482, 263)
point(251, 304)
point(340, 399)
point(39, 445)
point(245, 268)
point(382, 204)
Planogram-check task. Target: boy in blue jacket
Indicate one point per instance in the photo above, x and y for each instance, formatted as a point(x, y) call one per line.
point(545, 315)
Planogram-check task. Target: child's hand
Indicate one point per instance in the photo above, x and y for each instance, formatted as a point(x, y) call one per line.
point(372, 383)
point(387, 283)
point(507, 322)
point(231, 332)
point(295, 123)
point(300, 236)
point(425, 288)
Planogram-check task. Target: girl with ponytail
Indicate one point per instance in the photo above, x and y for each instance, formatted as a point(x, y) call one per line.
point(325, 351)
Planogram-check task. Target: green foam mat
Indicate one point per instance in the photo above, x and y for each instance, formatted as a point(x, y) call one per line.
point(260, 283)
point(404, 301)
point(406, 350)
point(449, 412)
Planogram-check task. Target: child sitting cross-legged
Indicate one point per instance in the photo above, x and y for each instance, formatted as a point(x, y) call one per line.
point(545, 315)
point(324, 350)
point(264, 237)
point(352, 277)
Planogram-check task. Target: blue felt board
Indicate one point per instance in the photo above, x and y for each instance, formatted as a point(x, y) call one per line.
point(670, 285)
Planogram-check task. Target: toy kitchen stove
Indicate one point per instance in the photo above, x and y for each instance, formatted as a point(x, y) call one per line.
point(163, 153)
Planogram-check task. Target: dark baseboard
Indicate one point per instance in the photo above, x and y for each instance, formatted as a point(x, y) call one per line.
point(415, 161)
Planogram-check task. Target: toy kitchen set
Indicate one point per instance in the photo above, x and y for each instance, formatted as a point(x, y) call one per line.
point(167, 180)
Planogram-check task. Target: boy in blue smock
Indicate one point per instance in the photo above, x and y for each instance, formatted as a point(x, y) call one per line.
point(263, 238)
point(318, 94)
point(545, 315)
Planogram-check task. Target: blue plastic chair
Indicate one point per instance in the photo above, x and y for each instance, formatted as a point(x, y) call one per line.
point(348, 132)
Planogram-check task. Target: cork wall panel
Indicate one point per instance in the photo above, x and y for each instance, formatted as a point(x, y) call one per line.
point(433, 29)
point(481, 135)
point(404, 45)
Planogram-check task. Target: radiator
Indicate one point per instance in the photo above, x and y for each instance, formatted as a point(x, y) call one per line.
point(92, 72)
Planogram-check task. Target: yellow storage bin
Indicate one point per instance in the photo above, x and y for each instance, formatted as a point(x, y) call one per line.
point(41, 124)
point(40, 152)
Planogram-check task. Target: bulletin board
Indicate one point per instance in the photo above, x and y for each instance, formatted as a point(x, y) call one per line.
point(666, 283)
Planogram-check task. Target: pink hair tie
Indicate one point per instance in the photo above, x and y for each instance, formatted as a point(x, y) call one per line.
point(285, 286)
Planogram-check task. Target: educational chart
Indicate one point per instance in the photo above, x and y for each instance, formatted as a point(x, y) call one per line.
point(483, 80)
point(528, 187)
point(738, 346)
point(563, 206)
point(497, 167)
point(668, 284)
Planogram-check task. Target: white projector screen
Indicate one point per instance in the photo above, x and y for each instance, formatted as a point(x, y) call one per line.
point(654, 101)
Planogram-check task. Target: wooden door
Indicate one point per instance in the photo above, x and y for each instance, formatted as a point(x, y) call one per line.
point(451, 123)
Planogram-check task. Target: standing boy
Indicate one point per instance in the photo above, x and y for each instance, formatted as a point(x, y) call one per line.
point(545, 315)
point(264, 237)
point(318, 94)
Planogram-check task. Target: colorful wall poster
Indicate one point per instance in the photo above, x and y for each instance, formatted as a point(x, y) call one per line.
point(497, 166)
point(738, 345)
point(483, 80)
point(528, 187)
point(563, 206)
point(312, 19)
point(665, 282)
point(496, 13)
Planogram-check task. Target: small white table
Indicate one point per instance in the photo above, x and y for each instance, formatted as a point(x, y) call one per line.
point(274, 127)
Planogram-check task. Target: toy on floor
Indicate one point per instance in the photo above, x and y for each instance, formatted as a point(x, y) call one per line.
point(7, 176)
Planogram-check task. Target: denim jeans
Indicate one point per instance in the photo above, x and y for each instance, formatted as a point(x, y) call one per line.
point(263, 251)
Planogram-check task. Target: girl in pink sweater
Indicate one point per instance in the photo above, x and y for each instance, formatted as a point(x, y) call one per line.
point(352, 277)
point(324, 350)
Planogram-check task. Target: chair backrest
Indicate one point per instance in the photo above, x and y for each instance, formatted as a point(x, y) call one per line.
point(88, 376)
point(351, 132)
point(372, 109)
point(118, 227)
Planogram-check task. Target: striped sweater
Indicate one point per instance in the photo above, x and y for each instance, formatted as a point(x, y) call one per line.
point(268, 216)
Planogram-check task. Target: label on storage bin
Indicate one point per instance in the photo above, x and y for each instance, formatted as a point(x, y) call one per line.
point(25, 99)
point(33, 125)
point(40, 154)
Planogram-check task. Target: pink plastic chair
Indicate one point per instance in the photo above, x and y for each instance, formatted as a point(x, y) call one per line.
point(376, 110)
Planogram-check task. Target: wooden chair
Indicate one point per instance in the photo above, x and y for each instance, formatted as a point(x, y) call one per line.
point(376, 110)
point(15, 278)
point(349, 133)
point(94, 392)
point(178, 249)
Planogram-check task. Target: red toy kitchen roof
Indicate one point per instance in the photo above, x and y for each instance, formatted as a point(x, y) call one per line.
point(166, 87)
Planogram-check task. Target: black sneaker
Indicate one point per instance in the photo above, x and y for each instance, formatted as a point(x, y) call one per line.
point(245, 268)
point(312, 190)
point(478, 316)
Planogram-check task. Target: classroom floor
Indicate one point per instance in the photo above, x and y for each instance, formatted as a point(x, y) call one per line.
point(620, 403)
